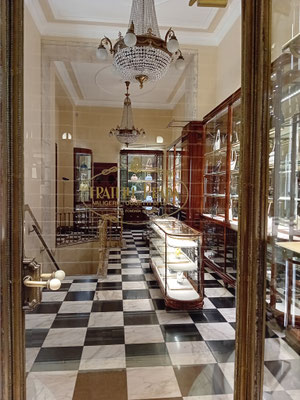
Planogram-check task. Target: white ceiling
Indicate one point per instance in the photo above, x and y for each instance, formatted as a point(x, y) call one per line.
point(99, 85)
point(95, 18)
point(95, 83)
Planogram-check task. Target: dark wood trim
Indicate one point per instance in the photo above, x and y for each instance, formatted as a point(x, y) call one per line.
point(220, 107)
point(12, 366)
point(253, 200)
point(156, 152)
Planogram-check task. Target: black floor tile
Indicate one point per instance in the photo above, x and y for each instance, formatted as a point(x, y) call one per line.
point(211, 283)
point(159, 304)
point(223, 302)
point(58, 359)
point(140, 318)
point(223, 350)
point(126, 256)
point(207, 316)
point(114, 261)
point(286, 372)
point(153, 285)
point(143, 252)
point(106, 306)
point(147, 355)
point(47, 308)
point(79, 320)
point(136, 294)
point(147, 270)
point(201, 380)
point(80, 296)
point(113, 271)
point(115, 252)
point(104, 336)
point(35, 337)
point(180, 333)
point(85, 280)
point(109, 286)
point(133, 278)
point(128, 265)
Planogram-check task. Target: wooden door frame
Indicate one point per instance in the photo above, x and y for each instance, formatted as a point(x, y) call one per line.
point(252, 215)
point(12, 344)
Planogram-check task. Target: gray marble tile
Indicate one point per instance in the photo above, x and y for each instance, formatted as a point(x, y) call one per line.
point(51, 385)
point(104, 319)
point(134, 285)
point(31, 354)
point(278, 349)
point(217, 292)
point(108, 295)
point(228, 313)
point(111, 278)
point(173, 317)
point(83, 287)
point(138, 305)
point(294, 394)
point(65, 337)
point(143, 334)
point(76, 307)
point(189, 353)
point(103, 357)
point(132, 271)
point(152, 383)
point(156, 294)
point(216, 331)
point(207, 304)
point(53, 296)
point(39, 321)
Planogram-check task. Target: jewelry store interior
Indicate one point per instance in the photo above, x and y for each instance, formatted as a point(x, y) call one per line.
point(132, 131)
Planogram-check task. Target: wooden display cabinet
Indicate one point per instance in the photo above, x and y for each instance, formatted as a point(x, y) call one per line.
point(141, 183)
point(185, 166)
point(219, 211)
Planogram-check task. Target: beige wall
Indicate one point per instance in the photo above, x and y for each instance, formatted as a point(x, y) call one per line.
point(228, 71)
point(64, 123)
point(32, 131)
point(92, 126)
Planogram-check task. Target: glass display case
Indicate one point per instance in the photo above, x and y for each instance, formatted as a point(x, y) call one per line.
point(82, 176)
point(215, 166)
point(175, 258)
point(141, 176)
point(283, 267)
point(174, 175)
point(222, 130)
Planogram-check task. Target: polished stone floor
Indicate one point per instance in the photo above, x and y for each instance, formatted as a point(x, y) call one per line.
point(112, 339)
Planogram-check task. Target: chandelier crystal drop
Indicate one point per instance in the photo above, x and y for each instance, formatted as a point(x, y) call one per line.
point(126, 133)
point(142, 55)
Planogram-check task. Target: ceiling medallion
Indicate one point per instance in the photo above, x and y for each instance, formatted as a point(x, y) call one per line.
point(126, 133)
point(142, 55)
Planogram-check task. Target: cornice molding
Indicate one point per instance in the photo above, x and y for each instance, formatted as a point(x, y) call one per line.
point(95, 31)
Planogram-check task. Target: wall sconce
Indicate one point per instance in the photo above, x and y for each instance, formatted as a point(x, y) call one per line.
point(159, 139)
point(209, 3)
point(66, 136)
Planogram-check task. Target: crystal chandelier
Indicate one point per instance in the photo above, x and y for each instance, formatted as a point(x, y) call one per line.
point(126, 133)
point(142, 55)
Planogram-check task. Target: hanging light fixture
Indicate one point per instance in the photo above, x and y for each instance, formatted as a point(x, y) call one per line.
point(126, 133)
point(142, 55)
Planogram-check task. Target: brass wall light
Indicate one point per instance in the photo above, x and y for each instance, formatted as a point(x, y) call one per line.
point(209, 3)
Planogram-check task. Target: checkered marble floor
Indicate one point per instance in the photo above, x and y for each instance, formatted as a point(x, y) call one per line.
point(112, 339)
